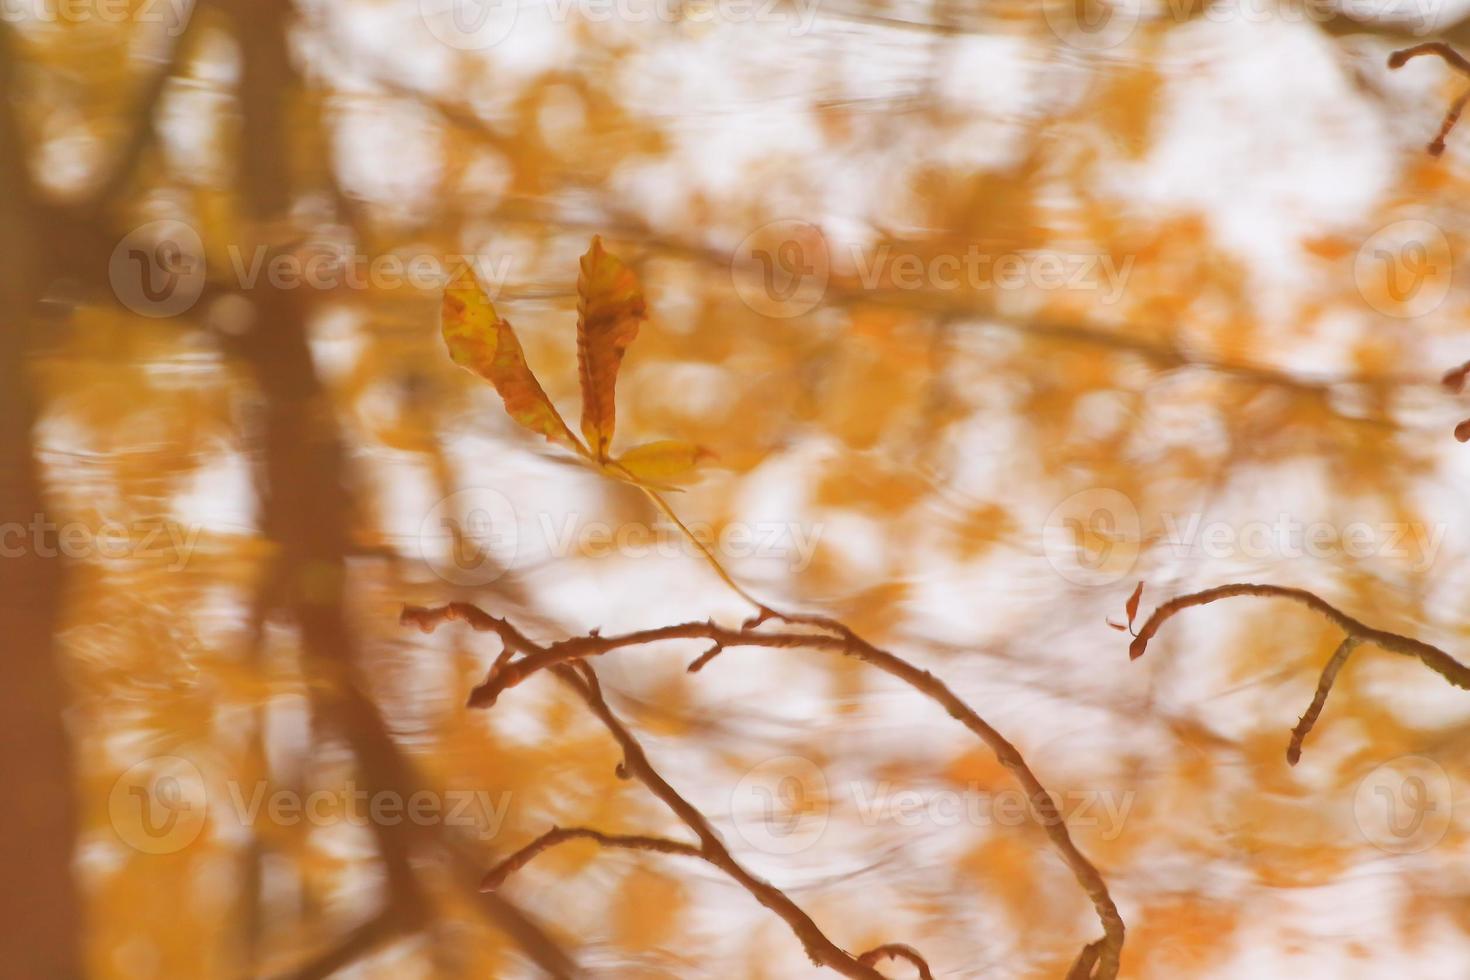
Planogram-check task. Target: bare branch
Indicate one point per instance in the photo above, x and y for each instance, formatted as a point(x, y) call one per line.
point(1451, 57)
point(1329, 674)
point(1357, 633)
point(496, 876)
point(1433, 657)
point(898, 951)
point(823, 952)
point(842, 640)
point(1456, 61)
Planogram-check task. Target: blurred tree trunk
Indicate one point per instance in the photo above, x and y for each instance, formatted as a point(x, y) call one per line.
point(39, 906)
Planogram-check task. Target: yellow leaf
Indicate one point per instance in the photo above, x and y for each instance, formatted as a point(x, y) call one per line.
point(481, 342)
point(663, 462)
point(609, 309)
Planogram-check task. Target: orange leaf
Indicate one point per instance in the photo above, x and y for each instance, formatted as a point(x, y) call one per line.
point(481, 342)
point(662, 462)
point(1132, 606)
point(609, 309)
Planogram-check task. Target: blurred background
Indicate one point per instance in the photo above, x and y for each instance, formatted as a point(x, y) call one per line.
point(989, 311)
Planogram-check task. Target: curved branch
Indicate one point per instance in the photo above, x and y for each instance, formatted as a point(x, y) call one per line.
point(898, 951)
point(1324, 686)
point(1432, 656)
point(1357, 632)
point(822, 951)
point(1456, 61)
point(557, 656)
point(496, 876)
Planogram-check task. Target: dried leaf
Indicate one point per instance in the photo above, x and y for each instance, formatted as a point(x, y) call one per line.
point(664, 462)
point(609, 309)
point(1454, 379)
point(1132, 606)
point(481, 342)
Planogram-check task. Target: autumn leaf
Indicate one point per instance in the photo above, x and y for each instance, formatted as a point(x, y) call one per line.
point(610, 306)
point(661, 463)
point(480, 341)
point(1131, 607)
point(609, 309)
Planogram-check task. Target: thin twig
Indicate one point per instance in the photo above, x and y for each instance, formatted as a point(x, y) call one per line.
point(1324, 686)
point(1433, 657)
point(556, 656)
point(822, 951)
point(1357, 632)
point(496, 876)
point(1456, 61)
point(898, 951)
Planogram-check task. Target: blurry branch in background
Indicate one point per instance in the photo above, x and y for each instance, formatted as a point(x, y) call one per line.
point(1456, 61)
point(1357, 633)
point(508, 672)
point(307, 509)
